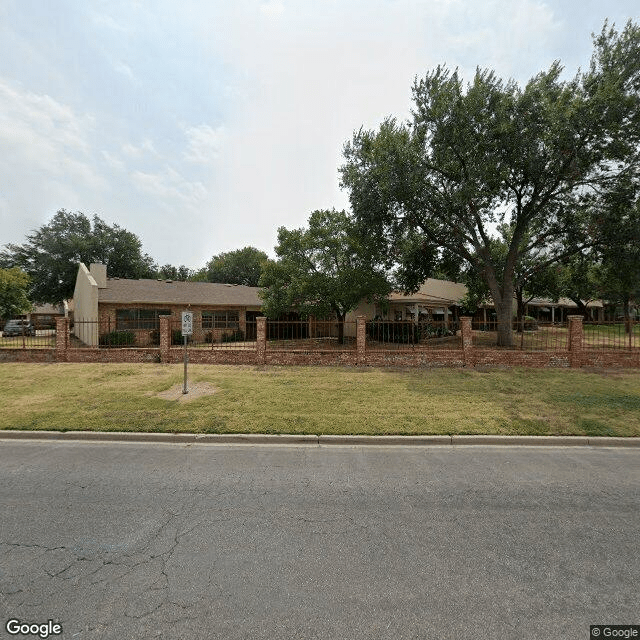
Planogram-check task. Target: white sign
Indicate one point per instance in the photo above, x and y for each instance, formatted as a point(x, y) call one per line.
point(187, 323)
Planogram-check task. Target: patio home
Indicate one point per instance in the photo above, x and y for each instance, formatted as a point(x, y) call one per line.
point(103, 305)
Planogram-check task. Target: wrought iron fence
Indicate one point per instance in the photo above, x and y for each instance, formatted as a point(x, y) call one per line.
point(109, 334)
point(528, 336)
point(383, 335)
point(612, 335)
point(311, 335)
point(26, 336)
point(236, 336)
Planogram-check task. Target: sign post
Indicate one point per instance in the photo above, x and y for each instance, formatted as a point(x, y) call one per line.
point(187, 330)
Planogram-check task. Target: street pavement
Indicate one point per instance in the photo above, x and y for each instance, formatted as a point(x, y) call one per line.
point(148, 540)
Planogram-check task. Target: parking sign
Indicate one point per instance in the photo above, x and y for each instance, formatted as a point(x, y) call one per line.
point(187, 323)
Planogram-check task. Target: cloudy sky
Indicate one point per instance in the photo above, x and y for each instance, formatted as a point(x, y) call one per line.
point(203, 126)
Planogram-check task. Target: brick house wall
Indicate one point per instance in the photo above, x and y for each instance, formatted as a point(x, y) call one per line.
point(108, 320)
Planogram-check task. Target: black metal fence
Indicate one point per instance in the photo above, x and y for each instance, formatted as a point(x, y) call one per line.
point(234, 336)
point(529, 335)
point(109, 334)
point(384, 335)
point(612, 335)
point(27, 337)
point(315, 335)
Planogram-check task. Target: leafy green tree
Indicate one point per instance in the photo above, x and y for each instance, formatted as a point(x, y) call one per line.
point(321, 270)
point(580, 279)
point(169, 272)
point(50, 256)
point(242, 266)
point(620, 245)
point(476, 156)
point(534, 276)
point(14, 298)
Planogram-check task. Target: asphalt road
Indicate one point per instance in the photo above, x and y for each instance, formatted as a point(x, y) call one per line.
point(121, 541)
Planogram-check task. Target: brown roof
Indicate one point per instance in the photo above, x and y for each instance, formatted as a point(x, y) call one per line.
point(433, 291)
point(173, 292)
point(48, 309)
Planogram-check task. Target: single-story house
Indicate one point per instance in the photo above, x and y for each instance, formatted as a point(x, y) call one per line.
point(441, 301)
point(435, 301)
point(102, 305)
point(43, 316)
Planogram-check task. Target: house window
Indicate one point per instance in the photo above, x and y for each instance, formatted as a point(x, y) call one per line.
point(139, 318)
point(220, 319)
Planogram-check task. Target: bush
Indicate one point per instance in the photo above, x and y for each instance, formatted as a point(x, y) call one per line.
point(117, 339)
point(235, 336)
point(154, 337)
point(176, 337)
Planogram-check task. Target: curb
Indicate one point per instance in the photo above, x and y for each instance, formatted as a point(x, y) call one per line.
point(328, 440)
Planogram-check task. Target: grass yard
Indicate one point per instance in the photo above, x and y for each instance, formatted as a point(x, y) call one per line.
point(124, 397)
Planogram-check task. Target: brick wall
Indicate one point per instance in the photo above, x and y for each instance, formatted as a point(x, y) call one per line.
point(469, 356)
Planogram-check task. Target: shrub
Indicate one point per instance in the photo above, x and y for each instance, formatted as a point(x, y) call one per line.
point(154, 337)
point(235, 336)
point(117, 339)
point(176, 337)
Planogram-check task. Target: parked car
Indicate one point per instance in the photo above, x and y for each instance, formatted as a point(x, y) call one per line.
point(18, 328)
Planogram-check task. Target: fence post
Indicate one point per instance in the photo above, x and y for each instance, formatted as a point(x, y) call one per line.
point(165, 337)
point(361, 339)
point(62, 339)
point(467, 340)
point(261, 339)
point(576, 340)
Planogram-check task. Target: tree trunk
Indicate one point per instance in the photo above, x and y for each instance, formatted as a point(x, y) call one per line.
point(520, 311)
point(341, 328)
point(628, 326)
point(582, 308)
point(504, 311)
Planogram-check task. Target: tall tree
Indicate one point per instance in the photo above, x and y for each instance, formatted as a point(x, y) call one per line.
point(50, 256)
point(170, 272)
point(492, 152)
point(620, 245)
point(242, 266)
point(533, 276)
point(14, 299)
point(321, 270)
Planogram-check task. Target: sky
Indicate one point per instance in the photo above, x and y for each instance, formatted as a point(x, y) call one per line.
point(203, 126)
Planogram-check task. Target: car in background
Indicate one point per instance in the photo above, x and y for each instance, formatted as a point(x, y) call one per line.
point(18, 328)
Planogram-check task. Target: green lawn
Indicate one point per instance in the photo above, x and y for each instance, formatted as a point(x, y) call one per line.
point(123, 397)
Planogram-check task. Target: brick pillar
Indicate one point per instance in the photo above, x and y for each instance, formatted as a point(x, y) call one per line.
point(62, 339)
point(361, 339)
point(467, 340)
point(576, 340)
point(165, 338)
point(261, 339)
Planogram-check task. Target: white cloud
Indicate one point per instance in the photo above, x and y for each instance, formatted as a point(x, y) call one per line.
point(144, 148)
point(124, 69)
point(203, 143)
point(41, 136)
point(113, 162)
point(169, 188)
point(272, 7)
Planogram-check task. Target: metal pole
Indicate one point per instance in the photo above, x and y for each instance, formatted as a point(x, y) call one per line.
point(185, 388)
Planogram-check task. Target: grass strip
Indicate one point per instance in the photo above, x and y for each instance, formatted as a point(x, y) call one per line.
point(320, 400)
